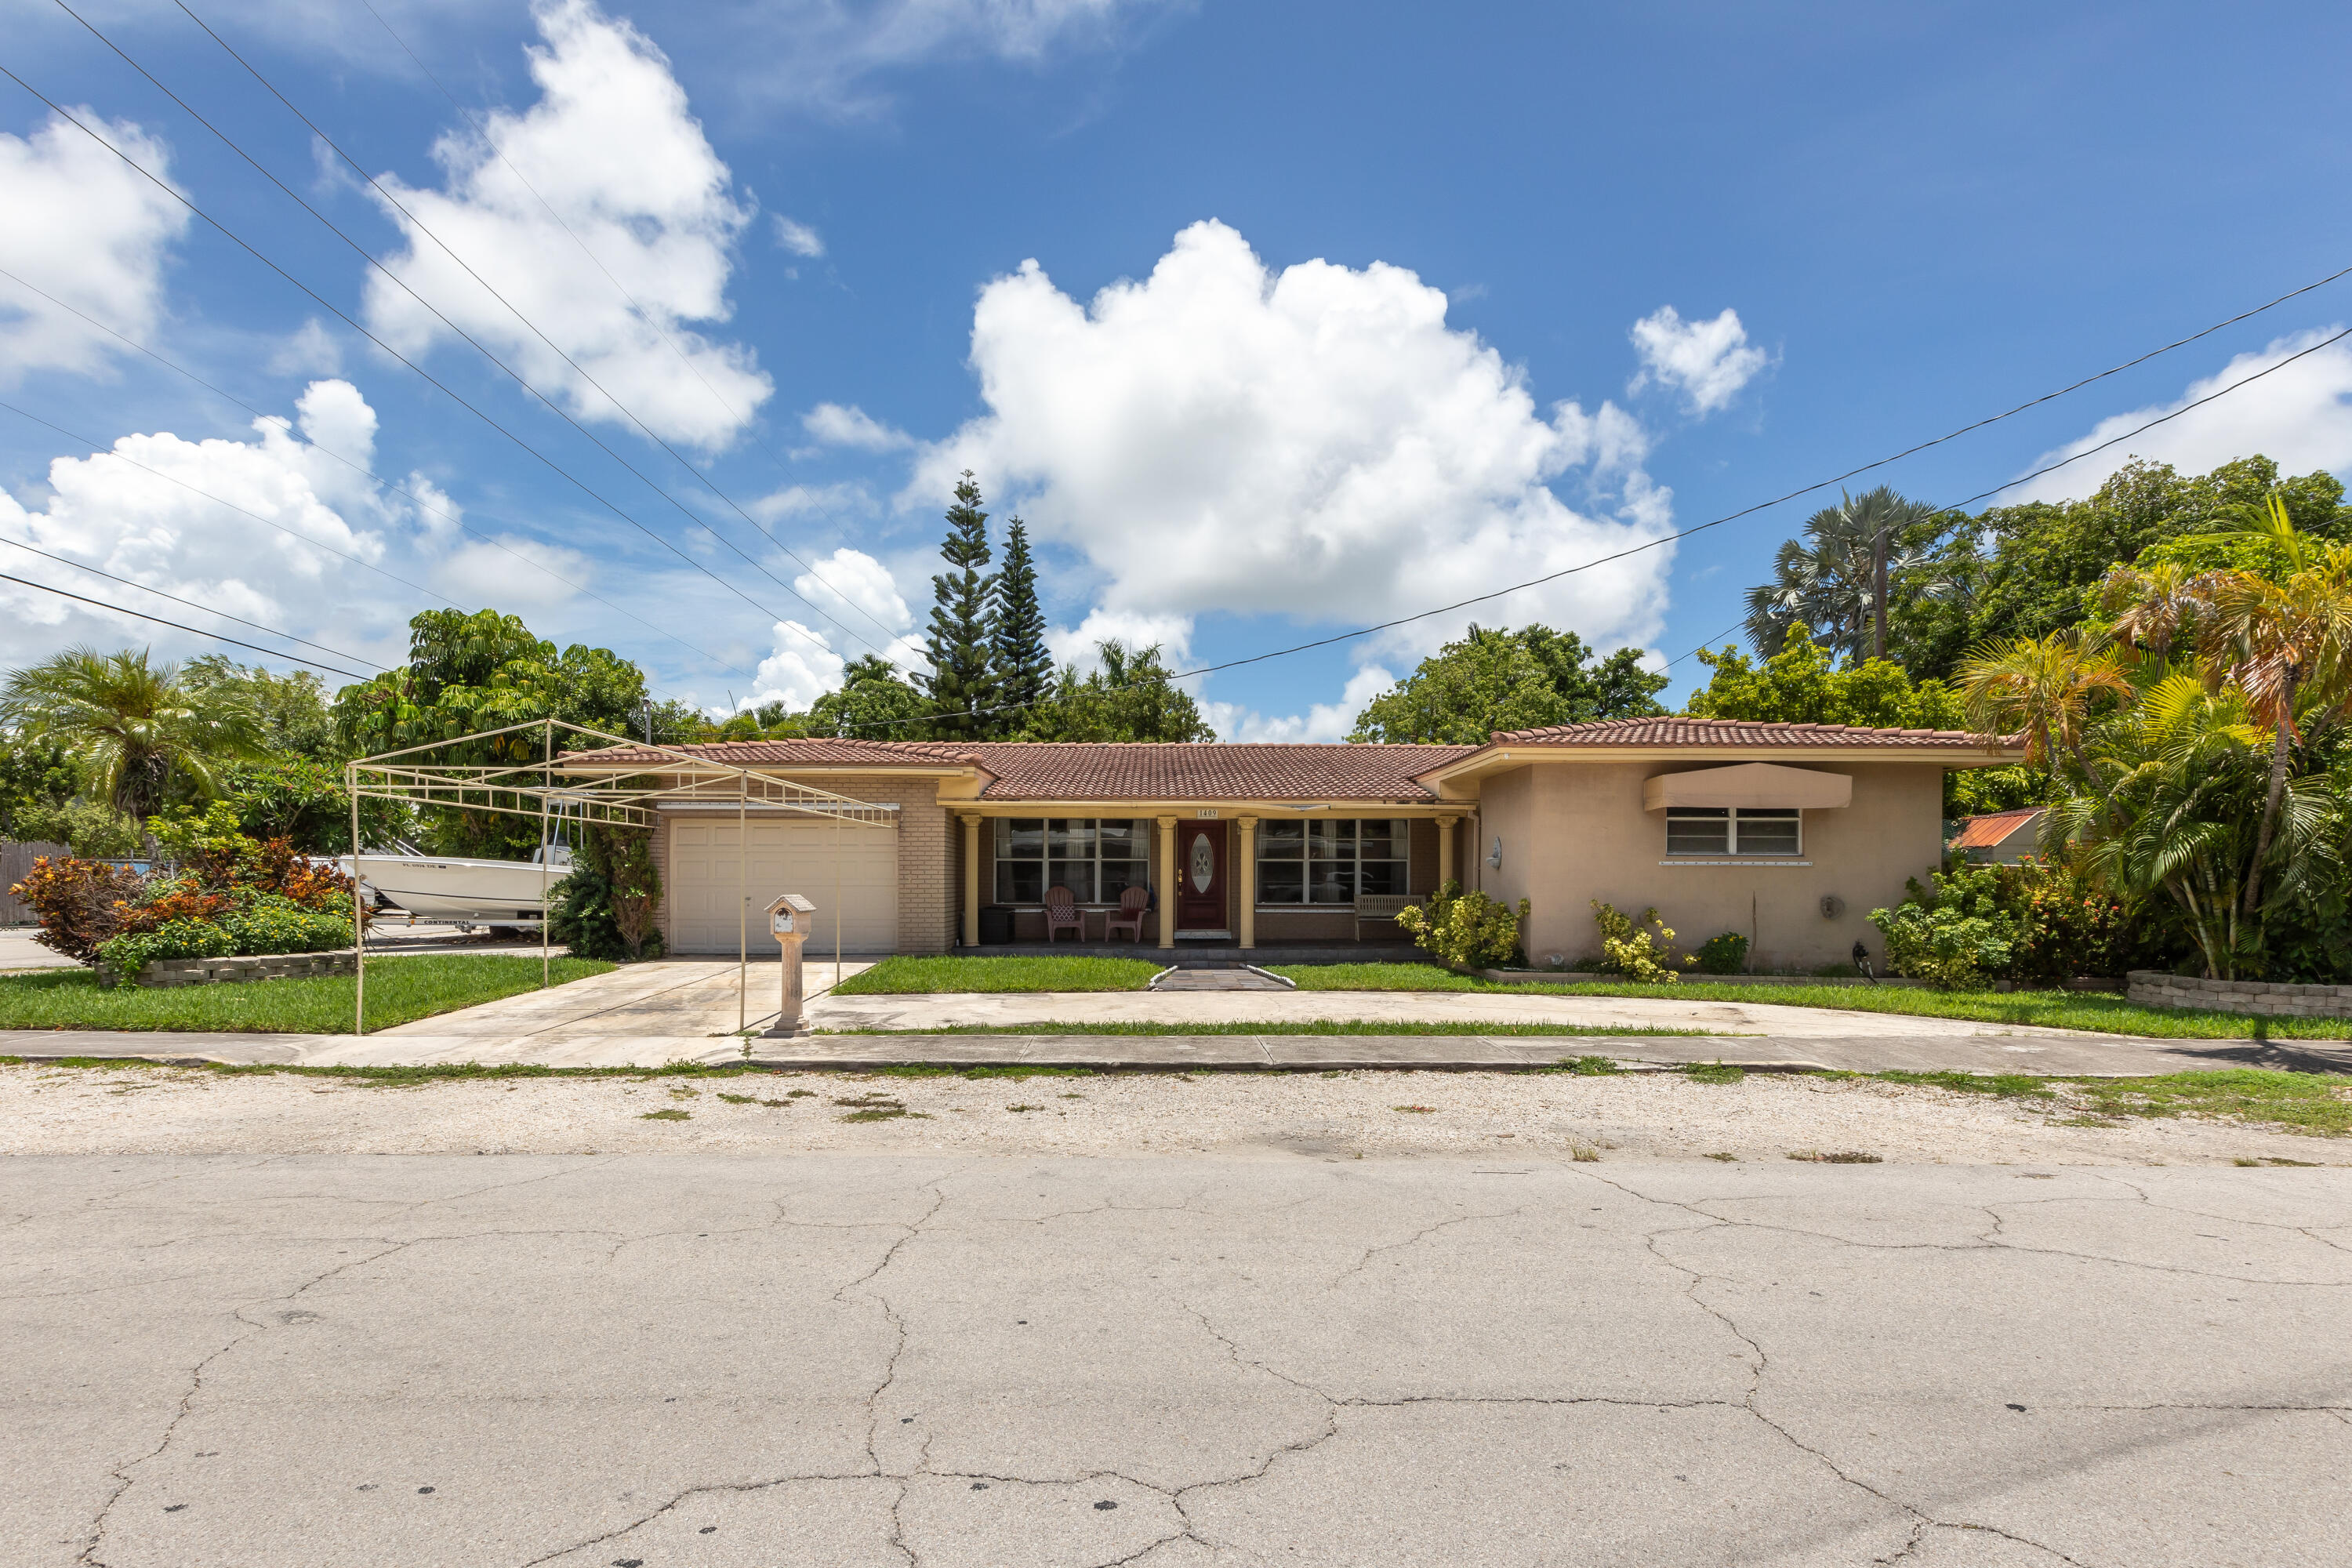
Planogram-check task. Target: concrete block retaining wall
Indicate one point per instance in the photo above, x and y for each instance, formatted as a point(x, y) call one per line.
point(172, 971)
point(2151, 988)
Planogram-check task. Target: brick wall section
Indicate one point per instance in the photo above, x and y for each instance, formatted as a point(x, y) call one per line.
point(2152, 989)
point(929, 873)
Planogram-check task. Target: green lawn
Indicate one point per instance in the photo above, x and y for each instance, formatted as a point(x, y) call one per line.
point(2039, 1009)
point(896, 976)
point(1287, 1026)
point(399, 990)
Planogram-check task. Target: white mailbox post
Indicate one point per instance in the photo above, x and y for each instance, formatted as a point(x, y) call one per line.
point(788, 920)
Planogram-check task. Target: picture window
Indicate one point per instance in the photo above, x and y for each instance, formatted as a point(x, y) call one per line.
point(1097, 858)
point(1331, 861)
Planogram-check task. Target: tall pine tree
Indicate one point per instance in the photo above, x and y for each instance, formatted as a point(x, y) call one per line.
point(1023, 667)
point(961, 686)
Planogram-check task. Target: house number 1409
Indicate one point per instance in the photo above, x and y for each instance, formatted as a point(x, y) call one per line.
point(1206, 813)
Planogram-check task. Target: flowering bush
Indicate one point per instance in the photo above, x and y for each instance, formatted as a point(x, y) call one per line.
point(1724, 954)
point(253, 897)
point(1470, 931)
point(80, 902)
point(2062, 927)
point(1629, 951)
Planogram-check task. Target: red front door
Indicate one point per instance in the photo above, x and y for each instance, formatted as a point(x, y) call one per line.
point(1200, 876)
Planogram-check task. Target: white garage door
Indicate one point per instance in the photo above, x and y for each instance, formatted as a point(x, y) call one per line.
point(787, 856)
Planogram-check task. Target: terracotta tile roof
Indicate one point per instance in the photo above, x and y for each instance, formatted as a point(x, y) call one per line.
point(1097, 771)
point(1677, 730)
point(1993, 828)
point(1213, 770)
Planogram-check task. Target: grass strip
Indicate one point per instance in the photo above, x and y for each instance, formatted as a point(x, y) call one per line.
point(399, 991)
point(2309, 1103)
point(1287, 1026)
point(2087, 1010)
point(908, 975)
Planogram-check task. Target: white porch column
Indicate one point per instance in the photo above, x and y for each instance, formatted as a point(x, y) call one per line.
point(1247, 853)
point(1167, 881)
point(972, 881)
point(1445, 826)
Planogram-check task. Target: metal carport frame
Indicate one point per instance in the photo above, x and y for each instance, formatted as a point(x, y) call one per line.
point(627, 798)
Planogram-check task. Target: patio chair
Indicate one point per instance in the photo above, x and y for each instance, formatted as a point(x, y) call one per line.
point(1062, 913)
point(1132, 904)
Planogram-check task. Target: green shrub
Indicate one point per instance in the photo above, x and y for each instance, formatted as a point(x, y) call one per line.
point(1952, 936)
point(127, 955)
point(1629, 951)
point(1726, 953)
point(1470, 931)
point(272, 923)
point(91, 829)
point(604, 909)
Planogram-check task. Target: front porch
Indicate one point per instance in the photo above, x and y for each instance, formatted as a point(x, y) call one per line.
point(1190, 951)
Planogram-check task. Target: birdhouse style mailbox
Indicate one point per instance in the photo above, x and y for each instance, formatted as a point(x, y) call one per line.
point(789, 923)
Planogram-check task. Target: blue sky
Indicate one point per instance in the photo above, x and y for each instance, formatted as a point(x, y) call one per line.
point(1274, 321)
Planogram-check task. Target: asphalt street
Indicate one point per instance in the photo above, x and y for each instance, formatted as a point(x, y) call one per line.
point(658, 1360)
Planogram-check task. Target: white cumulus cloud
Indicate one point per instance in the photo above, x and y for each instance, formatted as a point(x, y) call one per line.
point(87, 230)
point(1708, 361)
point(1321, 721)
point(2300, 414)
point(612, 147)
point(803, 668)
point(1082, 645)
point(122, 513)
point(1316, 443)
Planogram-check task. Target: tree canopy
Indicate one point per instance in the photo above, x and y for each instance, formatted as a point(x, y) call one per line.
point(1130, 697)
point(1493, 681)
point(962, 684)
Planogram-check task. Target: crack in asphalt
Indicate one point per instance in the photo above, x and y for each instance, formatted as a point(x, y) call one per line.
point(1422, 1235)
point(1920, 1517)
point(123, 1477)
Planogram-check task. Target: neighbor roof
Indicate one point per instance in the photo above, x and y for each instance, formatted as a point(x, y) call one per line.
point(1047, 770)
point(1994, 828)
point(1676, 731)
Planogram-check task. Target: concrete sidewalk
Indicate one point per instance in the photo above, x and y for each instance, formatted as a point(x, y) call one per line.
point(2111, 1055)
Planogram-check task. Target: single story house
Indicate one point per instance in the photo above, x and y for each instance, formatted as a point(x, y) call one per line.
point(1788, 833)
point(2002, 837)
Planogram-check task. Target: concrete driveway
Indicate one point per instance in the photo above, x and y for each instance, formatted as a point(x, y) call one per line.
point(663, 1362)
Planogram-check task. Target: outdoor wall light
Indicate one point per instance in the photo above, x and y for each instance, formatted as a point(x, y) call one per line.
point(1494, 856)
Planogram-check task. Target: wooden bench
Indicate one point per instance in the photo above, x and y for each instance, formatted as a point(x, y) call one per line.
point(1381, 907)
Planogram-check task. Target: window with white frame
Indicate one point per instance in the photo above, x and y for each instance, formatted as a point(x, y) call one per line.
point(1097, 858)
point(1330, 862)
point(1741, 830)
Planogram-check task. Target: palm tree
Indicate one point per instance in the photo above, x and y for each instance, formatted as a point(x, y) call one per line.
point(1835, 580)
point(2180, 819)
point(136, 729)
point(2286, 644)
point(2046, 689)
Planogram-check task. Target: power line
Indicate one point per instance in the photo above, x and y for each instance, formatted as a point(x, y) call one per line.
point(371, 476)
point(198, 631)
point(478, 347)
point(1745, 512)
point(208, 609)
point(643, 314)
point(60, 111)
point(98, 451)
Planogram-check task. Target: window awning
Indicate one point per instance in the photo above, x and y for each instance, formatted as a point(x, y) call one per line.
point(1749, 784)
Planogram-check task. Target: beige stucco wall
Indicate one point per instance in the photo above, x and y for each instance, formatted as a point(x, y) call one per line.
point(1575, 832)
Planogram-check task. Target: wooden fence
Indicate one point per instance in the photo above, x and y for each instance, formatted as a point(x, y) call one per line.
point(16, 861)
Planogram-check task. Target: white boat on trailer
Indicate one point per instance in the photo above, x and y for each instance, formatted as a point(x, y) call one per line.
point(462, 890)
